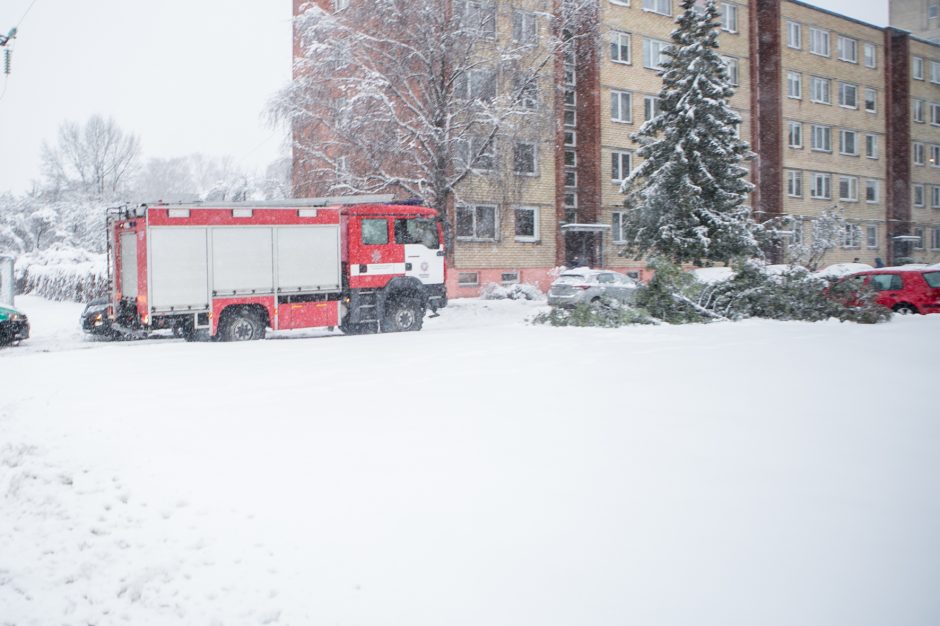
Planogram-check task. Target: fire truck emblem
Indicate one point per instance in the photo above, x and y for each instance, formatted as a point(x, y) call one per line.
point(424, 266)
point(376, 256)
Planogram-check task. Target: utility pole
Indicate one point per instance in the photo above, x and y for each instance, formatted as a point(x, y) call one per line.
point(7, 53)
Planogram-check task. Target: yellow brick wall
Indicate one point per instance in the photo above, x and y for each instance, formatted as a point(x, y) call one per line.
point(928, 175)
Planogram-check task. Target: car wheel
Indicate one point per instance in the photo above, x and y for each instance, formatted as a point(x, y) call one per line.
point(243, 326)
point(905, 309)
point(403, 315)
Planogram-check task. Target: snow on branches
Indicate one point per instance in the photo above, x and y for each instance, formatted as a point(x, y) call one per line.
point(686, 200)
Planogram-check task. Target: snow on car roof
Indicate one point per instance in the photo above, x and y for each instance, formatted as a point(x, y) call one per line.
point(844, 269)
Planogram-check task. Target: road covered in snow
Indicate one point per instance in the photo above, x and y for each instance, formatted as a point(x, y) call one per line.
point(482, 471)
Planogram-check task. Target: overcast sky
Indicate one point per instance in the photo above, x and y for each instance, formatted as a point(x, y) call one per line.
point(185, 75)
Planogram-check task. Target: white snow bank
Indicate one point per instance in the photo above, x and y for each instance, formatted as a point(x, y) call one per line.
point(63, 273)
point(712, 275)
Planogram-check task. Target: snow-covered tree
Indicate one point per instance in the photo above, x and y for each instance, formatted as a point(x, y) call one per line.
point(96, 158)
point(418, 96)
point(686, 200)
point(828, 233)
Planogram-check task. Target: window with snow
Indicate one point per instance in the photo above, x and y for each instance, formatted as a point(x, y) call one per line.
point(935, 239)
point(917, 110)
point(527, 91)
point(477, 17)
point(733, 66)
point(476, 222)
point(653, 56)
point(571, 180)
point(917, 193)
point(476, 85)
point(934, 155)
point(935, 114)
point(917, 68)
point(794, 183)
point(617, 232)
point(619, 47)
point(620, 165)
point(621, 106)
point(651, 107)
point(570, 118)
point(525, 27)
point(663, 7)
point(871, 190)
point(852, 236)
point(934, 197)
point(935, 72)
point(819, 41)
point(919, 233)
point(871, 146)
point(795, 134)
point(477, 153)
point(527, 223)
point(871, 99)
point(525, 158)
point(918, 153)
point(871, 236)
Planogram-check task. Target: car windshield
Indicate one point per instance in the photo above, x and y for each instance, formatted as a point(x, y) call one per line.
point(932, 278)
point(571, 279)
point(417, 230)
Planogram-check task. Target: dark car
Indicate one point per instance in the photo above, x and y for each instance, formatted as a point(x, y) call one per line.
point(903, 290)
point(14, 326)
point(95, 319)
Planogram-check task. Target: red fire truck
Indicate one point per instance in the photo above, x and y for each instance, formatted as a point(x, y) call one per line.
point(231, 271)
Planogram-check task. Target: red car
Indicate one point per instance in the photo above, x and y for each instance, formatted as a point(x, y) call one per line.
point(902, 290)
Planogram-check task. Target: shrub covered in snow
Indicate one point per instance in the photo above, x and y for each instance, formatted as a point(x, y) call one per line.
point(519, 291)
point(63, 273)
point(604, 314)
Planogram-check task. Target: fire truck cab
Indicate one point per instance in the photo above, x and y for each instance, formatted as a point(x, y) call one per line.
point(232, 271)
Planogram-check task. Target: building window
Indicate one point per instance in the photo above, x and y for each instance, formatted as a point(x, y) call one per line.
point(852, 237)
point(819, 90)
point(571, 118)
point(525, 27)
point(476, 85)
point(794, 183)
point(571, 158)
point(664, 7)
point(621, 106)
point(935, 197)
point(870, 55)
point(571, 77)
point(935, 239)
point(934, 155)
point(794, 85)
point(847, 48)
point(848, 188)
point(468, 279)
point(821, 138)
point(571, 180)
point(917, 111)
point(819, 41)
point(650, 107)
point(871, 190)
point(729, 17)
point(571, 98)
point(339, 5)
point(871, 236)
point(795, 135)
point(871, 146)
point(525, 158)
point(620, 47)
point(935, 114)
point(509, 278)
point(620, 165)
point(733, 70)
point(571, 138)
point(527, 223)
point(822, 186)
point(617, 232)
point(932, 11)
point(653, 53)
point(919, 242)
point(918, 195)
point(848, 95)
point(477, 16)
point(848, 143)
point(935, 72)
point(917, 68)
point(477, 222)
point(871, 99)
point(478, 153)
point(918, 153)
point(794, 35)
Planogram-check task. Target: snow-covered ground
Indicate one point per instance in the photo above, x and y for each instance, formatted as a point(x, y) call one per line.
point(482, 471)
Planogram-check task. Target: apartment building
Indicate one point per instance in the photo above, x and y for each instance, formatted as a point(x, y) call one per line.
point(839, 113)
point(920, 17)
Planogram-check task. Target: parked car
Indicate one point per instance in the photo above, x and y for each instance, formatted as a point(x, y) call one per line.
point(95, 320)
point(14, 325)
point(584, 286)
point(904, 290)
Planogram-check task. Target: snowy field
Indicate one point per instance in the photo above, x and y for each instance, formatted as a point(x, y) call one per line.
point(480, 472)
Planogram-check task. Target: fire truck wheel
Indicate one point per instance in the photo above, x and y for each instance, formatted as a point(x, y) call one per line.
point(403, 315)
point(243, 326)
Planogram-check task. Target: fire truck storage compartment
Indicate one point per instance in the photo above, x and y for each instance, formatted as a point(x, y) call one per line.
point(129, 265)
point(244, 261)
point(179, 268)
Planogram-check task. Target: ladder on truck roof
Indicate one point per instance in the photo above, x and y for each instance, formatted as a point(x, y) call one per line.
point(286, 203)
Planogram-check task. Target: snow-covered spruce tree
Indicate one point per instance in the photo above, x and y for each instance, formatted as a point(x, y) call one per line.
point(686, 199)
point(423, 98)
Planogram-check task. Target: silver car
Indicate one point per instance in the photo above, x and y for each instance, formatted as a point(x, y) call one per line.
point(582, 285)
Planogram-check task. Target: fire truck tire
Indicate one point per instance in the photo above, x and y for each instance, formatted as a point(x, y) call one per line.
point(242, 325)
point(403, 315)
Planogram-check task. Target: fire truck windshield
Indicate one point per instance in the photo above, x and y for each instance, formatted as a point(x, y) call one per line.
point(417, 230)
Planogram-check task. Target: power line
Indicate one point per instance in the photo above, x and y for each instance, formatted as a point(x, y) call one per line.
point(28, 9)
